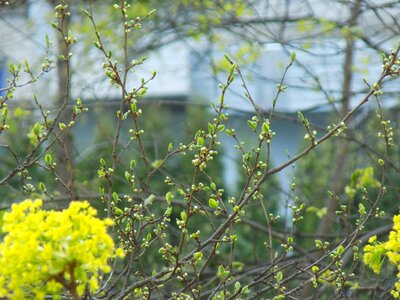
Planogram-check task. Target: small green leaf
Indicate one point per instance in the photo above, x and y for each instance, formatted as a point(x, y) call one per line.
point(238, 265)
point(125, 115)
point(232, 69)
point(200, 141)
point(213, 203)
point(132, 164)
point(354, 177)
point(4, 113)
point(211, 128)
point(245, 290)
point(221, 127)
point(222, 273)
point(128, 176)
point(319, 244)
point(197, 256)
point(279, 276)
point(36, 129)
point(42, 187)
point(361, 209)
point(169, 197)
point(48, 159)
point(85, 12)
point(115, 196)
point(168, 211)
point(340, 250)
point(183, 216)
point(149, 200)
point(237, 286)
point(292, 57)
point(198, 133)
point(118, 212)
point(300, 115)
point(252, 124)
point(152, 12)
point(157, 163)
point(226, 56)
point(265, 127)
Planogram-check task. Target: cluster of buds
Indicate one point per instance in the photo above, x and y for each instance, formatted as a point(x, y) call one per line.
point(200, 160)
point(266, 132)
point(387, 133)
point(391, 64)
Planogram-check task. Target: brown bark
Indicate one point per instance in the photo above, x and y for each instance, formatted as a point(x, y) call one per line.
point(64, 146)
point(342, 149)
point(341, 145)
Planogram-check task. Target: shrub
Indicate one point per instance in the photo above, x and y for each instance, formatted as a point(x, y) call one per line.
point(46, 251)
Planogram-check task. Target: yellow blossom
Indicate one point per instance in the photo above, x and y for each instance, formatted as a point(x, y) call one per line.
point(42, 250)
point(375, 252)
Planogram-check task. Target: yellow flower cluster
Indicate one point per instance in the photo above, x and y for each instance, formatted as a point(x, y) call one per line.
point(46, 251)
point(375, 252)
